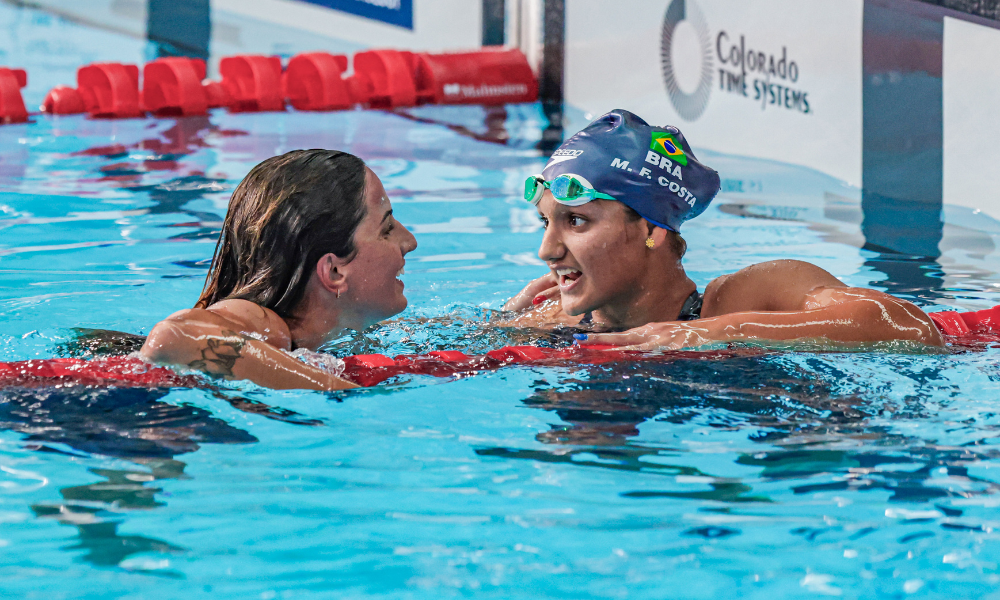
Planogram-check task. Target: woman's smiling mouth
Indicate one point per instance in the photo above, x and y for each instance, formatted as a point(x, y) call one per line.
point(568, 277)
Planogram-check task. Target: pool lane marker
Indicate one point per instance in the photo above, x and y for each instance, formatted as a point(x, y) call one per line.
point(312, 81)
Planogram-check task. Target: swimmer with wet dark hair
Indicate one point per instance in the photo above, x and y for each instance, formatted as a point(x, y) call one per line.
point(309, 250)
point(612, 199)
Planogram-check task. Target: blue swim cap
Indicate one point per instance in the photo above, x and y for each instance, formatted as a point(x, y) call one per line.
point(652, 170)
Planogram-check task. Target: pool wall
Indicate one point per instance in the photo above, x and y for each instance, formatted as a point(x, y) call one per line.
point(895, 98)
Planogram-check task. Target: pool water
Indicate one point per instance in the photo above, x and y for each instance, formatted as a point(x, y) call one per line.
point(777, 474)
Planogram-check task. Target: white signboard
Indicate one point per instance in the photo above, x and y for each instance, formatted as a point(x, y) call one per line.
point(774, 79)
point(971, 118)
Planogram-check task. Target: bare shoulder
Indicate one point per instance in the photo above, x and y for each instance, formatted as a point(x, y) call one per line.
point(235, 316)
point(254, 319)
point(777, 285)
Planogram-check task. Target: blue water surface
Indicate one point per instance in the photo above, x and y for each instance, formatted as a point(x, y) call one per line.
point(776, 474)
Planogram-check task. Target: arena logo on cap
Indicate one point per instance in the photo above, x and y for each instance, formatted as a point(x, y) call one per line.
point(668, 146)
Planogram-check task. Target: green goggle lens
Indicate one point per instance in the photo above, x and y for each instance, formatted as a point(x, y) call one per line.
point(569, 189)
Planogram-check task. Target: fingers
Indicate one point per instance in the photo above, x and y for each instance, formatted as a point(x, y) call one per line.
point(627, 338)
point(524, 299)
point(644, 347)
point(551, 293)
point(652, 347)
point(542, 283)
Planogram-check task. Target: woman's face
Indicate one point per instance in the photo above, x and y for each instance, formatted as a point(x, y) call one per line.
point(373, 284)
point(596, 252)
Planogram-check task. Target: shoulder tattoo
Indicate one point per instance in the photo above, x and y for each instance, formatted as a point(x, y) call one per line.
point(220, 354)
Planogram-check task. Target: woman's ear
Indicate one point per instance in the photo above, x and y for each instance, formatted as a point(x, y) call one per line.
point(330, 272)
point(657, 234)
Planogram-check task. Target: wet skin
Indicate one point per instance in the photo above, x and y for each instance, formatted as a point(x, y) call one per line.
point(599, 262)
point(237, 339)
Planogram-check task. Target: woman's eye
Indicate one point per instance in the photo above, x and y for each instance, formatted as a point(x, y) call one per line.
point(544, 221)
point(576, 221)
point(388, 230)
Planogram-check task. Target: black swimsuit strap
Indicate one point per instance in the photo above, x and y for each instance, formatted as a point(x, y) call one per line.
point(690, 311)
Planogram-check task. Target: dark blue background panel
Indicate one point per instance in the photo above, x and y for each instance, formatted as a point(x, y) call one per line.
point(179, 27)
point(394, 12)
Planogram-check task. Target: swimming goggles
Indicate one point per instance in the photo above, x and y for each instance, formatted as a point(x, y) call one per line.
point(568, 189)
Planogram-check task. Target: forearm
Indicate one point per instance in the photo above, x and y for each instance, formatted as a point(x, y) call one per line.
point(863, 320)
point(271, 367)
point(229, 355)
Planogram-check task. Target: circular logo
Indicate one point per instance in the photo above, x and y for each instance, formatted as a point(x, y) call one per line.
point(686, 58)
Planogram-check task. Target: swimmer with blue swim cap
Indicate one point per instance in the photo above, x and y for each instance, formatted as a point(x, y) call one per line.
point(612, 199)
point(652, 170)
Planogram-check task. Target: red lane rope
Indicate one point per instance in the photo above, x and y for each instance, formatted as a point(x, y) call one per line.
point(115, 371)
point(313, 81)
point(978, 323)
point(371, 369)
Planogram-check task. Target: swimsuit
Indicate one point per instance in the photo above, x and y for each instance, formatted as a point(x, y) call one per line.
point(690, 311)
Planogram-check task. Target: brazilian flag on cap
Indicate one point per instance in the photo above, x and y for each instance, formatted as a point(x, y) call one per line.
point(604, 151)
point(667, 145)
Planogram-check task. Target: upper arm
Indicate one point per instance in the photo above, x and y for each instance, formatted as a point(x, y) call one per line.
point(178, 338)
point(205, 341)
point(780, 285)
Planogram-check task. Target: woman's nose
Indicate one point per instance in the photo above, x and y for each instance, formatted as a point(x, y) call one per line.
point(552, 247)
point(409, 241)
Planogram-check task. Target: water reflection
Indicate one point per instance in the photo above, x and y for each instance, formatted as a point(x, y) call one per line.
point(133, 424)
point(861, 472)
point(907, 276)
point(119, 422)
point(170, 151)
point(96, 511)
point(493, 129)
point(820, 428)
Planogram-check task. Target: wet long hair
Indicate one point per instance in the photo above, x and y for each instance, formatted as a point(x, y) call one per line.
point(287, 213)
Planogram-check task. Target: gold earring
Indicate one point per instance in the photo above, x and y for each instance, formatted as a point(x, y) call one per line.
point(338, 294)
point(650, 243)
